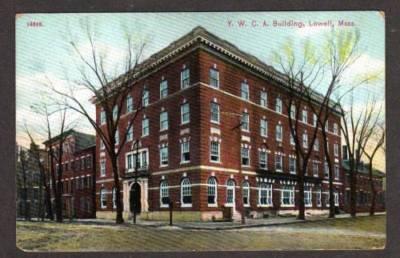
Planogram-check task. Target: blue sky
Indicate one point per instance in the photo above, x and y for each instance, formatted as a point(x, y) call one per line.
point(43, 52)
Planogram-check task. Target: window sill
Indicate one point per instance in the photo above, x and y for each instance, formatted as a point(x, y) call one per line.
point(245, 166)
point(308, 206)
point(186, 205)
point(287, 205)
point(144, 136)
point(246, 205)
point(164, 206)
point(264, 205)
point(212, 205)
point(185, 162)
point(215, 122)
point(164, 130)
point(228, 205)
point(279, 170)
point(216, 162)
point(185, 123)
point(163, 166)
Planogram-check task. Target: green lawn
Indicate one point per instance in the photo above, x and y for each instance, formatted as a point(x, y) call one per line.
point(360, 233)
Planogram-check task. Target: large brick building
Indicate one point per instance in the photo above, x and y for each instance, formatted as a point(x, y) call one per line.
point(214, 132)
point(78, 173)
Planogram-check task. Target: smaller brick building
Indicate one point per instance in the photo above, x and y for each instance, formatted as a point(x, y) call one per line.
point(78, 173)
point(364, 193)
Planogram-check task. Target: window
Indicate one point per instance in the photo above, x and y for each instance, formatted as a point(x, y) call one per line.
point(337, 172)
point(245, 121)
point(138, 160)
point(164, 194)
point(316, 144)
point(307, 196)
point(185, 113)
point(129, 134)
point(214, 78)
point(318, 198)
point(145, 97)
point(278, 105)
point(336, 149)
point(335, 129)
point(264, 127)
point(186, 193)
point(103, 198)
point(145, 127)
point(102, 147)
point(114, 197)
point(292, 165)
point(102, 117)
point(278, 133)
point(244, 91)
point(230, 193)
point(214, 151)
point(315, 121)
point(245, 156)
point(278, 162)
point(185, 78)
point(164, 156)
point(163, 89)
point(326, 169)
point(263, 159)
point(292, 111)
point(212, 191)
point(265, 194)
point(115, 112)
point(305, 140)
point(185, 152)
point(327, 126)
point(336, 198)
point(129, 104)
point(163, 121)
point(292, 139)
point(246, 193)
point(315, 168)
point(116, 137)
point(103, 167)
point(263, 99)
point(304, 116)
point(214, 112)
point(287, 196)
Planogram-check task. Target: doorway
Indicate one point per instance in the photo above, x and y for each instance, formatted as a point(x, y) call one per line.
point(134, 198)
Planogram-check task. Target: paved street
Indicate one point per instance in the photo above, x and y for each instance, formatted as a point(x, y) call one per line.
point(341, 233)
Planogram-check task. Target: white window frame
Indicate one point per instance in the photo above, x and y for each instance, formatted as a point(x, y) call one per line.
point(244, 91)
point(288, 189)
point(335, 129)
point(215, 154)
point(315, 120)
point(336, 171)
point(263, 127)
point(245, 120)
point(292, 112)
point(185, 113)
point(114, 197)
point(280, 162)
point(145, 97)
point(292, 142)
point(183, 151)
point(116, 137)
point(145, 127)
point(163, 89)
point(185, 78)
point(129, 104)
point(307, 196)
point(186, 188)
point(102, 168)
point(336, 198)
point(212, 79)
point(292, 165)
point(214, 112)
point(305, 140)
point(129, 134)
point(143, 160)
point(326, 170)
point(115, 112)
point(164, 123)
point(278, 133)
point(267, 188)
point(230, 188)
point(164, 156)
point(304, 116)
point(278, 105)
point(316, 144)
point(164, 193)
point(103, 198)
point(245, 150)
point(336, 149)
point(246, 193)
point(315, 167)
point(318, 198)
point(263, 99)
point(263, 161)
point(212, 187)
point(102, 117)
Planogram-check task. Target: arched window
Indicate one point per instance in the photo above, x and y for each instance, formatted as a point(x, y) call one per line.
point(114, 197)
point(230, 193)
point(103, 198)
point(212, 191)
point(186, 193)
point(164, 194)
point(246, 193)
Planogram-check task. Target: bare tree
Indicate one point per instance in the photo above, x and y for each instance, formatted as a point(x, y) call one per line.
point(23, 158)
point(304, 79)
point(110, 94)
point(374, 142)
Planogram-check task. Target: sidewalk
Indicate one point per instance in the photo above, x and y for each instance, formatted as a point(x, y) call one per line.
point(250, 223)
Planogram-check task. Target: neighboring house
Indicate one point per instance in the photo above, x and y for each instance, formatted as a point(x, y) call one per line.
point(78, 173)
point(364, 193)
point(30, 194)
point(196, 93)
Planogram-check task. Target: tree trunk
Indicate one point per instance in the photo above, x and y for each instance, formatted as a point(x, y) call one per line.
point(301, 215)
point(119, 218)
point(373, 191)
